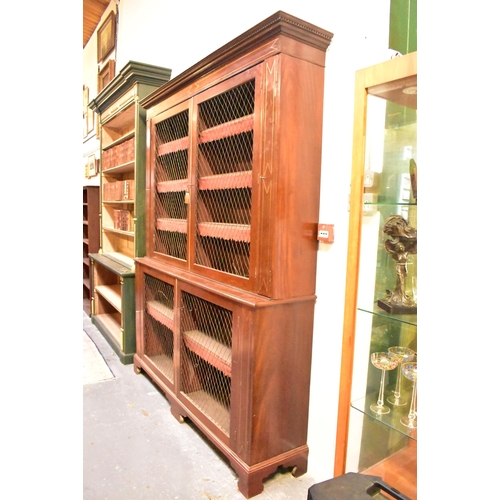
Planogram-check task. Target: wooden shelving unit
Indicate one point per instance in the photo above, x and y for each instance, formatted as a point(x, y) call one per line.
point(90, 238)
point(225, 294)
point(122, 182)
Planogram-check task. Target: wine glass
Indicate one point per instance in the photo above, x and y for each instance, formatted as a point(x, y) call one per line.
point(409, 370)
point(403, 354)
point(383, 361)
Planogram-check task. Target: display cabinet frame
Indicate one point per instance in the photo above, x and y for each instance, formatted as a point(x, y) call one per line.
point(386, 80)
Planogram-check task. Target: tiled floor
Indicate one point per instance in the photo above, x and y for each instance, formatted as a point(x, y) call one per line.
point(133, 448)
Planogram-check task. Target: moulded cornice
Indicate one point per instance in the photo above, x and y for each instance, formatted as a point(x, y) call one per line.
point(278, 24)
point(133, 72)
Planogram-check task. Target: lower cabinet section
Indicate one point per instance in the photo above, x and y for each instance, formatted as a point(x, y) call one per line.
point(235, 363)
point(113, 304)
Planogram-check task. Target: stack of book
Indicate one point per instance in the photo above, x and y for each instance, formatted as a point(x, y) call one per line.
point(122, 220)
point(118, 155)
point(118, 190)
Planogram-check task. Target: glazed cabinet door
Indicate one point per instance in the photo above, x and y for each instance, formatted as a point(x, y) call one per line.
point(201, 180)
point(157, 338)
point(169, 186)
point(206, 337)
point(226, 158)
point(184, 341)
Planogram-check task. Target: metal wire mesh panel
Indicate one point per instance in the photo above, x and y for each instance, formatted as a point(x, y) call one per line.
point(224, 177)
point(206, 330)
point(159, 324)
point(171, 173)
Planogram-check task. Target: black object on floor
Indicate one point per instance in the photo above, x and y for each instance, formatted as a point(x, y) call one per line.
point(353, 486)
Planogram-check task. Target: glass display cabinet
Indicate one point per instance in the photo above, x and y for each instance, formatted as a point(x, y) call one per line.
point(377, 424)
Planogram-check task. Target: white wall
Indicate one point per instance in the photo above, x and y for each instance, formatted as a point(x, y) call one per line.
point(177, 35)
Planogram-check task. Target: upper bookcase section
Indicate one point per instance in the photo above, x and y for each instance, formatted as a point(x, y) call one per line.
point(234, 159)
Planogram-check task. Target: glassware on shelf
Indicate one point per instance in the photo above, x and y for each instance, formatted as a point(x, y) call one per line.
point(409, 370)
point(383, 361)
point(403, 354)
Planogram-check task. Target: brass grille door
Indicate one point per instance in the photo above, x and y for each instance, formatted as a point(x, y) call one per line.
point(224, 161)
point(206, 332)
point(159, 325)
point(171, 185)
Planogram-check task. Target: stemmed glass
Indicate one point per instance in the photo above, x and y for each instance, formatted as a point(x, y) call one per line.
point(383, 361)
point(409, 370)
point(403, 354)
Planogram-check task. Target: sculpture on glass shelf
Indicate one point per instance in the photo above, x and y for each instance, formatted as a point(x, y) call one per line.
point(401, 243)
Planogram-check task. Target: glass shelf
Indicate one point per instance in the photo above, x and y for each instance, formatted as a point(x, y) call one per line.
point(391, 419)
point(390, 204)
point(410, 319)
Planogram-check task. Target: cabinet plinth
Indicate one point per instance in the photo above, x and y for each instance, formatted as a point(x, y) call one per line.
point(226, 291)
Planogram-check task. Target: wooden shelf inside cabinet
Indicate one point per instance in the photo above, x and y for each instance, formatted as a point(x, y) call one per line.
point(118, 202)
point(385, 120)
point(228, 129)
point(129, 120)
point(173, 146)
point(160, 312)
point(234, 232)
point(172, 186)
point(207, 348)
point(172, 225)
point(112, 293)
point(234, 180)
point(117, 231)
point(119, 169)
point(212, 409)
